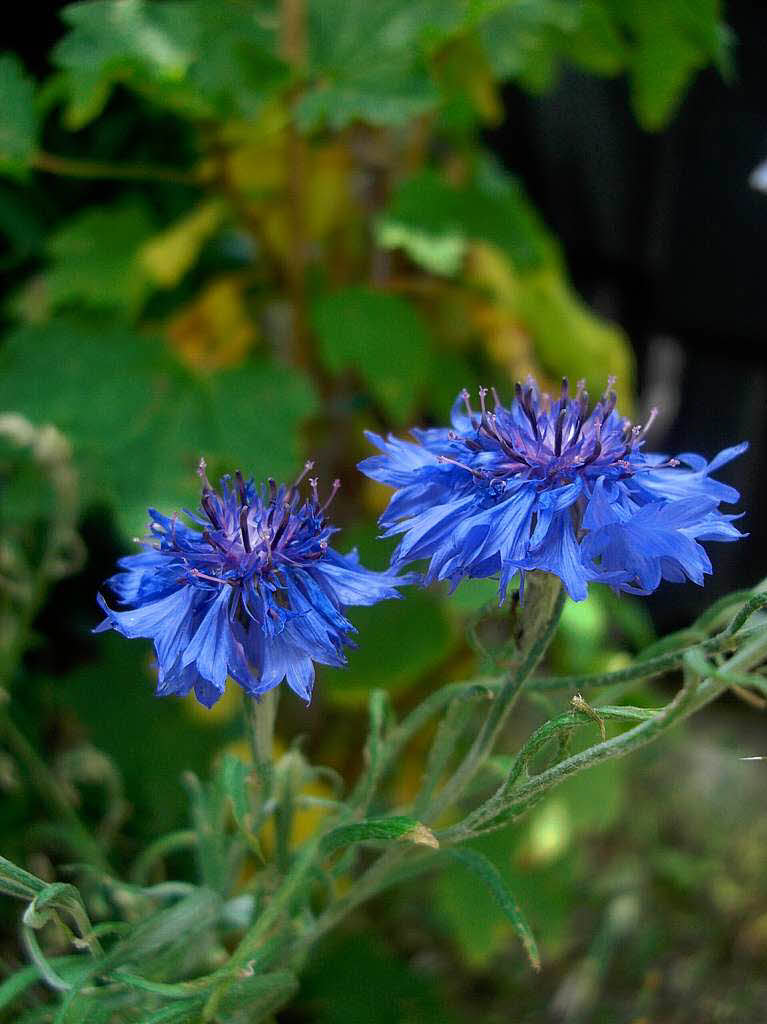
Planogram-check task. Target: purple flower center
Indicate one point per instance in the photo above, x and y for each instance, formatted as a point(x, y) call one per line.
point(552, 441)
point(247, 534)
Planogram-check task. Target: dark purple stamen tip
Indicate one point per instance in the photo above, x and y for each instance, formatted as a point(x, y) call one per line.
point(240, 487)
point(210, 509)
point(244, 528)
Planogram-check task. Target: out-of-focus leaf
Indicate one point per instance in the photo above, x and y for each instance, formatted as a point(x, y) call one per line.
point(94, 258)
point(215, 330)
point(258, 163)
point(440, 254)
point(199, 58)
point(398, 642)
point(523, 39)
point(21, 224)
point(257, 998)
point(567, 337)
point(169, 255)
point(140, 421)
point(465, 77)
point(367, 61)
point(673, 40)
point(472, 595)
point(382, 338)
point(435, 222)
point(112, 698)
point(117, 40)
point(597, 43)
point(357, 978)
point(451, 374)
point(18, 116)
point(582, 633)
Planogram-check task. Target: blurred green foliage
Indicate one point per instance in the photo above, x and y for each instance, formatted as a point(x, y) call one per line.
point(250, 230)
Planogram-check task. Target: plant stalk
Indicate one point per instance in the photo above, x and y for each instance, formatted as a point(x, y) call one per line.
point(260, 715)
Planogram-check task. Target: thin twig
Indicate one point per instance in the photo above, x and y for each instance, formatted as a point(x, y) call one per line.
point(72, 167)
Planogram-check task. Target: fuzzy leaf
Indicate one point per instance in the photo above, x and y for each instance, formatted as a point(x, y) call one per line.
point(484, 868)
point(376, 830)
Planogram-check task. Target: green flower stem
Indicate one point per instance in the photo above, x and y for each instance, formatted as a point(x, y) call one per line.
point(646, 668)
point(70, 167)
point(504, 806)
point(545, 601)
point(396, 865)
point(259, 723)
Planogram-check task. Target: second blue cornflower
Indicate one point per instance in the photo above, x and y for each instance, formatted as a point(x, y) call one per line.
point(551, 485)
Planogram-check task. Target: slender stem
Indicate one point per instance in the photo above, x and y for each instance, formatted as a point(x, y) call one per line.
point(506, 806)
point(260, 715)
point(293, 49)
point(646, 668)
point(72, 167)
point(546, 599)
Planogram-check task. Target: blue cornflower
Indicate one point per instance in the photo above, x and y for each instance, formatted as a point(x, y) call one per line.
point(251, 590)
point(549, 485)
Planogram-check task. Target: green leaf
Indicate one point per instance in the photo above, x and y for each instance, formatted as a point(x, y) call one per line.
point(183, 1012)
point(199, 58)
point(597, 44)
point(16, 984)
point(359, 978)
point(399, 641)
point(381, 338)
point(165, 932)
point(484, 868)
point(430, 218)
point(138, 444)
point(94, 258)
point(524, 40)
point(120, 40)
point(233, 778)
point(368, 61)
point(376, 830)
point(18, 116)
point(257, 998)
point(673, 39)
point(15, 881)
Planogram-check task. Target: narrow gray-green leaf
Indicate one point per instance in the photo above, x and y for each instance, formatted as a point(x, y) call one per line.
point(378, 830)
point(489, 874)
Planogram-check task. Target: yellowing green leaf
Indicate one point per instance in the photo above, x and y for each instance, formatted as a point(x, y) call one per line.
point(567, 337)
point(169, 255)
point(215, 330)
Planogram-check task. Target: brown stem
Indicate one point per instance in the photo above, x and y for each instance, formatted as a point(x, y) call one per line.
point(293, 50)
point(74, 168)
